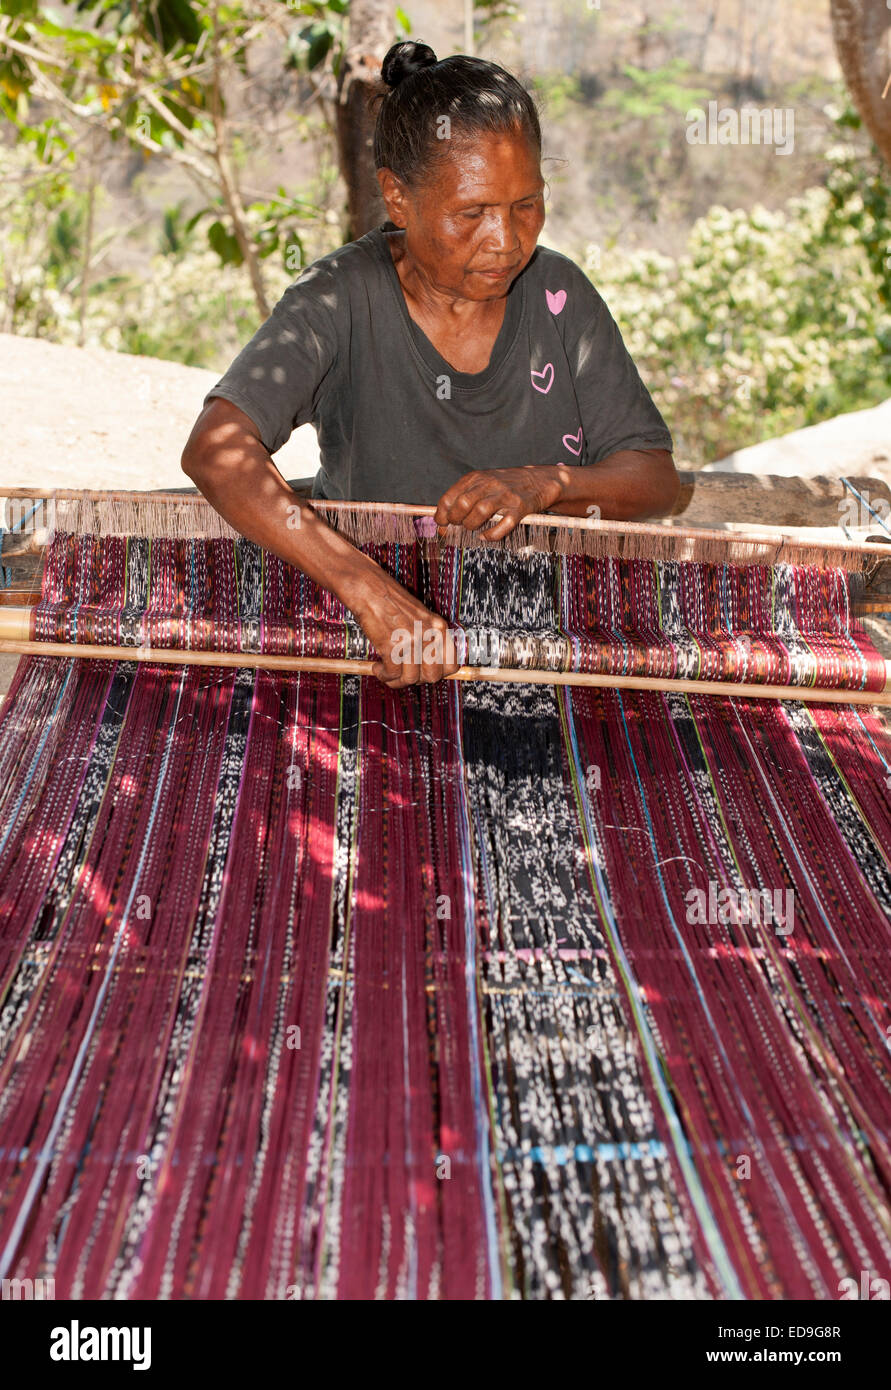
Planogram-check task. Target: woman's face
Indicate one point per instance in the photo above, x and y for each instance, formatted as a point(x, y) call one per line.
point(473, 226)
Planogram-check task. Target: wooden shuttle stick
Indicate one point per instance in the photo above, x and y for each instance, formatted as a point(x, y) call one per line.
point(15, 638)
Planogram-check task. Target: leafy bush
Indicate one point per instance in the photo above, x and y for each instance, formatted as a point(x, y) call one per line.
point(861, 198)
point(183, 305)
point(769, 322)
point(41, 221)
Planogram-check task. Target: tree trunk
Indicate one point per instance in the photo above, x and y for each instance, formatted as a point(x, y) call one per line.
point(707, 33)
point(87, 251)
point(862, 33)
point(227, 177)
point(370, 35)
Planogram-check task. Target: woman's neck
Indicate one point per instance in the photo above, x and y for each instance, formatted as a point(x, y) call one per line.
point(429, 300)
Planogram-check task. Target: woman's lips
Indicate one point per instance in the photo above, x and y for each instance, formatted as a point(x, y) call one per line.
point(497, 274)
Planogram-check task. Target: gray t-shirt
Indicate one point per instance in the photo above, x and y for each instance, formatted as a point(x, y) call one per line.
point(397, 423)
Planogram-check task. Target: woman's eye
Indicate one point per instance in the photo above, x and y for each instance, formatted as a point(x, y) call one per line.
point(473, 216)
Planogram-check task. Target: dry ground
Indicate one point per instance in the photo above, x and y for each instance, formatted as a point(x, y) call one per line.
point(88, 418)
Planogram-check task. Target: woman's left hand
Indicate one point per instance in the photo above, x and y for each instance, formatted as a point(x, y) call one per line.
point(512, 492)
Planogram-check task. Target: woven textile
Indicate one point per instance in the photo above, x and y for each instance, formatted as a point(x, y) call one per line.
point(789, 624)
point(310, 988)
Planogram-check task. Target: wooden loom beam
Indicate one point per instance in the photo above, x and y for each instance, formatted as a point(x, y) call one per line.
point(12, 620)
point(749, 498)
point(705, 499)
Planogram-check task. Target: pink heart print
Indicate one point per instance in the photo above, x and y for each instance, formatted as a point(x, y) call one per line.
point(556, 301)
point(546, 373)
point(573, 442)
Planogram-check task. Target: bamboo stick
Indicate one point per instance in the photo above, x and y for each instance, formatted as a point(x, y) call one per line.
point(17, 624)
point(496, 674)
point(395, 508)
point(777, 540)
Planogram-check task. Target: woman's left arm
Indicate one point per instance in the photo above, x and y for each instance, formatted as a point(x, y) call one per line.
point(629, 485)
point(631, 473)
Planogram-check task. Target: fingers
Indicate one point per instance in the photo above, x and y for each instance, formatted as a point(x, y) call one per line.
point(473, 510)
point(421, 655)
point(479, 498)
point(455, 505)
point(503, 527)
point(484, 509)
point(396, 677)
point(412, 675)
point(451, 498)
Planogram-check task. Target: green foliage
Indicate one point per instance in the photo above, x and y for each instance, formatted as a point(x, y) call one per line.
point(41, 225)
point(154, 73)
point(175, 231)
point(639, 147)
point(769, 322)
point(490, 15)
point(189, 303)
point(653, 93)
point(860, 197)
point(556, 91)
point(225, 244)
point(186, 308)
point(277, 223)
point(323, 39)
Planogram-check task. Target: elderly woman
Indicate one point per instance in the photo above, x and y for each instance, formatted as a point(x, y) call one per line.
point(442, 358)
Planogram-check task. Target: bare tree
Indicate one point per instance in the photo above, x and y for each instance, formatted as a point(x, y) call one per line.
point(371, 26)
point(706, 34)
point(862, 33)
point(165, 98)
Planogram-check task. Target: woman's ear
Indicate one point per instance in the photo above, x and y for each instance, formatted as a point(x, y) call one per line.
point(394, 194)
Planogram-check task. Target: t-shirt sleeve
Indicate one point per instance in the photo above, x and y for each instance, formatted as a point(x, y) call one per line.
point(617, 410)
point(278, 376)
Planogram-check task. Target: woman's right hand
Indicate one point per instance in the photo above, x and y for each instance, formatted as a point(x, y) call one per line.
point(412, 644)
point(232, 468)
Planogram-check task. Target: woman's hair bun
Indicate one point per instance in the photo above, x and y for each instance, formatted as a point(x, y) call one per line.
point(404, 60)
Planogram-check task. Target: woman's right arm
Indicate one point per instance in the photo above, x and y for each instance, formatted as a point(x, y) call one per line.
point(229, 464)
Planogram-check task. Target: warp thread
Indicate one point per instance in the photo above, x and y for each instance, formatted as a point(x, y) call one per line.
point(788, 624)
point(310, 988)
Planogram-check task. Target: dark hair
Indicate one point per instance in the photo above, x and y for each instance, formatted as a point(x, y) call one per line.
point(476, 96)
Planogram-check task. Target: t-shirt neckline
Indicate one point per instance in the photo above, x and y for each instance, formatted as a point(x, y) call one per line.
point(501, 348)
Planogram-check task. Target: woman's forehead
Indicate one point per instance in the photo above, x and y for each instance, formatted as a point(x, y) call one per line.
point(487, 164)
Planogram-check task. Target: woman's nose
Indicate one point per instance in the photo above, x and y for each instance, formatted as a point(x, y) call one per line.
point(501, 234)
